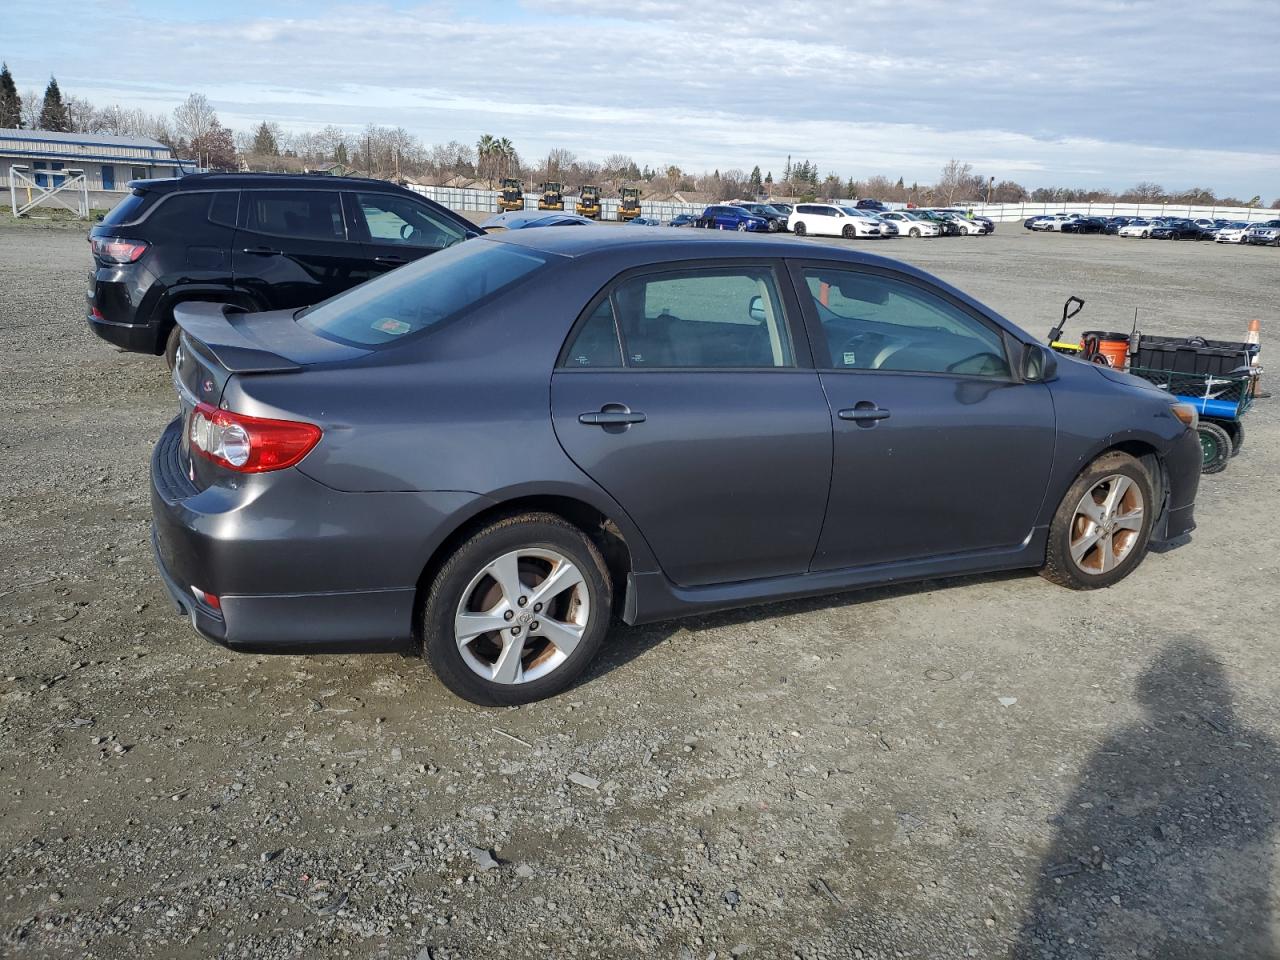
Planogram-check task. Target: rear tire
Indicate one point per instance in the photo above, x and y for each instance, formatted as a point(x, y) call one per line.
point(171, 345)
point(1215, 447)
point(1236, 432)
point(539, 645)
point(1100, 531)
point(798, 229)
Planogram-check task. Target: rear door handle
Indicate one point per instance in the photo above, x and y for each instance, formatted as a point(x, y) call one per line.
point(612, 414)
point(261, 251)
point(864, 412)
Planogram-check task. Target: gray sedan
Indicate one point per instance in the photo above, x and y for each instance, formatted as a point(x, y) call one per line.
point(490, 453)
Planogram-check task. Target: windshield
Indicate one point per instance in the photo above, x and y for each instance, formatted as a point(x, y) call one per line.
point(419, 296)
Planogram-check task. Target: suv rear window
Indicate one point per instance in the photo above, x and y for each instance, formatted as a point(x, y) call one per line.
point(300, 214)
point(127, 210)
point(421, 295)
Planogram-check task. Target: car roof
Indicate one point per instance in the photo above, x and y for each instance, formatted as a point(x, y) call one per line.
point(659, 243)
point(231, 181)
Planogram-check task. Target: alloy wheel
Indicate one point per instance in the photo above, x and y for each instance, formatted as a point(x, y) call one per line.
point(522, 616)
point(1107, 524)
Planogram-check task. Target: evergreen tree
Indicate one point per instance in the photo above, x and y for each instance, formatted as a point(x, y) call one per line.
point(340, 153)
point(768, 179)
point(53, 116)
point(756, 184)
point(264, 141)
point(10, 102)
point(787, 171)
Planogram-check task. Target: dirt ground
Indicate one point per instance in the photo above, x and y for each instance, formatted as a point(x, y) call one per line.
point(984, 767)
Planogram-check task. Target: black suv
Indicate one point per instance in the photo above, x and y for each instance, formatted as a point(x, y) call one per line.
point(258, 241)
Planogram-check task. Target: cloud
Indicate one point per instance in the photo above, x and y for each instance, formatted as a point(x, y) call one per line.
point(1078, 92)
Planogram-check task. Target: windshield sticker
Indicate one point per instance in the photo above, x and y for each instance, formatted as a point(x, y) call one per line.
point(392, 326)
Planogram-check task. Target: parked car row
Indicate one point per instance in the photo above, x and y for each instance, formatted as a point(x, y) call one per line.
point(1160, 228)
point(863, 219)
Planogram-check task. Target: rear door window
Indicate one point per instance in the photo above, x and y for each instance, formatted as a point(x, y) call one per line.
point(702, 318)
point(300, 214)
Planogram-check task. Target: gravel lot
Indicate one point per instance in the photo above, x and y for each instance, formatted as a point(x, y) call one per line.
point(980, 767)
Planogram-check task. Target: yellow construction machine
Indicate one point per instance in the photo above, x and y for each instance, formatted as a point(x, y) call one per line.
point(629, 209)
point(552, 196)
point(589, 202)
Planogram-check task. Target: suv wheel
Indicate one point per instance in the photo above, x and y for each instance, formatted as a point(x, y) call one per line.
point(799, 228)
point(171, 346)
point(1100, 531)
point(518, 612)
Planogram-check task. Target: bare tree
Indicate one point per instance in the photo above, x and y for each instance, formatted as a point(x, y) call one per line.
point(195, 118)
point(955, 176)
point(32, 107)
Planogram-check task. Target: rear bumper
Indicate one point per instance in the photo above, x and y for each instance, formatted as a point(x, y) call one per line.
point(137, 337)
point(297, 566)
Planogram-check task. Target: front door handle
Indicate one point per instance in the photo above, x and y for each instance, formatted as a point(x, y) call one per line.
point(261, 251)
point(865, 412)
point(612, 415)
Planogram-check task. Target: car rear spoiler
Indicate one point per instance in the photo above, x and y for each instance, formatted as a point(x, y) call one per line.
point(214, 326)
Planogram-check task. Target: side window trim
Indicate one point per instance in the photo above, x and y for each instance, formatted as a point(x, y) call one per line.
point(793, 322)
point(813, 324)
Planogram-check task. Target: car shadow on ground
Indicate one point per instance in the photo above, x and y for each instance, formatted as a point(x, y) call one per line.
point(625, 643)
point(1164, 848)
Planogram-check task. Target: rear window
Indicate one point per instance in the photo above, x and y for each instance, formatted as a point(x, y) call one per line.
point(421, 295)
point(127, 210)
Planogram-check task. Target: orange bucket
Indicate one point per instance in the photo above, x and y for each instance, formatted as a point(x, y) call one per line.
point(1109, 348)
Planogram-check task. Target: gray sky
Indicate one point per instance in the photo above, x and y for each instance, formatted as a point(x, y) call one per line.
point(1082, 93)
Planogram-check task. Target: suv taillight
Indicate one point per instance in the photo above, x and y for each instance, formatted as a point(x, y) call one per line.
point(113, 250)
point(249, 444)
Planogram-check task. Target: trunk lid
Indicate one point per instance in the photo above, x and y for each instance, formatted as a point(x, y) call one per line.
point(220, 341)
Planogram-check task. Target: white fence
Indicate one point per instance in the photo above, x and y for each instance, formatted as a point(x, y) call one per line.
point(486, 201)
point(1020, 211)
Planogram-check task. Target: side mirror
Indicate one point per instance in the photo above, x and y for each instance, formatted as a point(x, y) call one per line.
point(756, 309)
point(1039, 363)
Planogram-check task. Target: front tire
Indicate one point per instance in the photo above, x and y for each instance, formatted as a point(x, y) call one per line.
point(848, 232)
point(914, 233)
point(742, 227)
point(518, 611)
point(1100, 531)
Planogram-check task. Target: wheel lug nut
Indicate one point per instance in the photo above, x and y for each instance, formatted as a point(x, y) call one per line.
point(522, 601)
point(533, 626)
point(537, 608)
point(508, 615)
point(515, 631)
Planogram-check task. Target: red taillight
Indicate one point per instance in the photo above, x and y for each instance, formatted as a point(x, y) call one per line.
point(112, 250)
point(249, 444)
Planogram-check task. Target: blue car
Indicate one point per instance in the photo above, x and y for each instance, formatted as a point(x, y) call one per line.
point(733, 218)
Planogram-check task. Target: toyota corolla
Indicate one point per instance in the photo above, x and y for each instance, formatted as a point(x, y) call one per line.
point(490, 453)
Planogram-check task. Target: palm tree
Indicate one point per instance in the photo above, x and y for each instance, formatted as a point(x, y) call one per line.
point(506, 155)
point(486, 149)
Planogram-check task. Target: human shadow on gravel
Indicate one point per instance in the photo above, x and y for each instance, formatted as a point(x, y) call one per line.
point(1164, 848)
